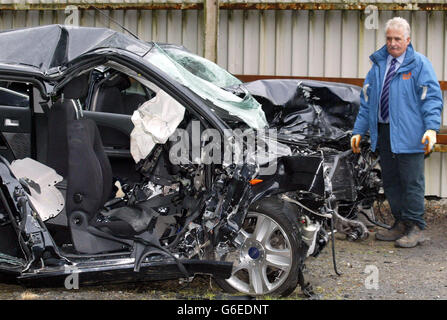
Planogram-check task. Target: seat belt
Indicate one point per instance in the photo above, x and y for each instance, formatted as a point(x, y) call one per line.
point(78, 109)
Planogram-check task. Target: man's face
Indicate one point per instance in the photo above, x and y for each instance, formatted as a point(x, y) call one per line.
point(396, 42)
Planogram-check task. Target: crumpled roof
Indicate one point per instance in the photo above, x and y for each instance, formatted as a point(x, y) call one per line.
point(51, 46)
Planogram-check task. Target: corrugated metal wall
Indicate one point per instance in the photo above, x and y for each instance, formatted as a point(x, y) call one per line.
point(175, 26)
point(320, 43)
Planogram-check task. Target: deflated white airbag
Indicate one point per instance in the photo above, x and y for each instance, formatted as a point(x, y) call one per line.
point(155, 121)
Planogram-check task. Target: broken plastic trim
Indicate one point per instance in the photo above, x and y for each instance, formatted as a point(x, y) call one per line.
point(41, 180)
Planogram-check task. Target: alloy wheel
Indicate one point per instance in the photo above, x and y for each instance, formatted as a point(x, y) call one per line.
point(262, 256)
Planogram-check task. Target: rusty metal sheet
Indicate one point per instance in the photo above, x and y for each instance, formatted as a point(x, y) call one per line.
point(412, 6)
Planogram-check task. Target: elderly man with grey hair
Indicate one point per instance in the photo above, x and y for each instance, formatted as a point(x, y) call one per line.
point(400, 106)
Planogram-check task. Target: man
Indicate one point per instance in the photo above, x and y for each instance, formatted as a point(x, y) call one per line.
point(400, 105)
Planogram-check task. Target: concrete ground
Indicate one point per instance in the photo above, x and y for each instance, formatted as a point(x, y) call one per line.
point(370, 270)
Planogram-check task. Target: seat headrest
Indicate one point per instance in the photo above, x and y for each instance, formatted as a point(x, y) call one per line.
point(77, 88)
point(63, 111)
point(118, 80)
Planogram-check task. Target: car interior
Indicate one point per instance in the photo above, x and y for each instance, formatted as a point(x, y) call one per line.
point(82, 137)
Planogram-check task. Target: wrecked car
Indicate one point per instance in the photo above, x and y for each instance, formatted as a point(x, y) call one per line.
point(123, 160)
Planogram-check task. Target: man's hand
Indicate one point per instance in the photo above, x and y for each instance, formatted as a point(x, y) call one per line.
point(429, 135)
point(355, 143)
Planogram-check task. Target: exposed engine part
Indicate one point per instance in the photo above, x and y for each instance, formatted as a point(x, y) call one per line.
point(368, 213)
point(223, 206)
point(199, 179)
point(314, 235)
point(321, 241)
point(213, 210)
point(309, 232)
point(288, 199)
point(352, 228)
point(221, 249)
point(193, 241)
point(143, 192)
point(341, 174)
point(327, 178)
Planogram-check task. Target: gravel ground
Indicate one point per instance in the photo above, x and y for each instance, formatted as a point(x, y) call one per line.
point(417, 273)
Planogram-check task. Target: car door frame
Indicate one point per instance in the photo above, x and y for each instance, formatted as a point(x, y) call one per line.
point(18, 120)
point(194, 103)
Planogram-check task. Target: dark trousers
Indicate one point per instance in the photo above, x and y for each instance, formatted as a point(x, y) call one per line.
point(403, 180)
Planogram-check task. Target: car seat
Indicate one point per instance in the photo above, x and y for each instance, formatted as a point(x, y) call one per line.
point(76, 152)
point(63, 110)
point(83, 162)
point(109, 99)
point(112, 98)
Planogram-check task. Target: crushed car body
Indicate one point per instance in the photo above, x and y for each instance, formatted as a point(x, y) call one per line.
point(162, 165)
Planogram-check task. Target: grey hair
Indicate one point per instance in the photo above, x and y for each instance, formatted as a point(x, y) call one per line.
point(399, 23)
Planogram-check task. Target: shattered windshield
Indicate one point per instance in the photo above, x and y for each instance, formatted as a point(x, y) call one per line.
point(202, 67)
point(207, 80)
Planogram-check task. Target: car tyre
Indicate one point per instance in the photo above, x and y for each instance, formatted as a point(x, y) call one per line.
point(268, 252)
